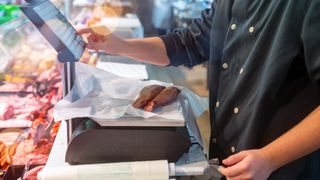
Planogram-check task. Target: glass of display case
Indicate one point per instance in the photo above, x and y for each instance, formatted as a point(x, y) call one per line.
point(30, 85)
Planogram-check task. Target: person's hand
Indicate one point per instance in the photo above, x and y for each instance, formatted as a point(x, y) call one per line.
point(251, 164)
point(101, 38)
point(32, 174)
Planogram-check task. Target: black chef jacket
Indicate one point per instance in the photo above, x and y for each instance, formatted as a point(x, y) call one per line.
point(264, 71)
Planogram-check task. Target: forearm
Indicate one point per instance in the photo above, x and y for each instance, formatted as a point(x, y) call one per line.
point(149, 50)
point(297, 142)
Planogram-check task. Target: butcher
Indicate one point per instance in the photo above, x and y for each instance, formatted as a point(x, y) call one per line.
point(264, 81)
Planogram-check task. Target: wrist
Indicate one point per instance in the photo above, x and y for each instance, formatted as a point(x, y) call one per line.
point(124, 47)
point(115, 46)
point(270, 158)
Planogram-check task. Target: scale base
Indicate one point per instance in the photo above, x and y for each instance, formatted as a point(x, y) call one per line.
point(91, 143)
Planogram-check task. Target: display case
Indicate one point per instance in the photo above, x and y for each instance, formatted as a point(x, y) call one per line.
point(8, 12)
point(24, 54)
point(30, 85)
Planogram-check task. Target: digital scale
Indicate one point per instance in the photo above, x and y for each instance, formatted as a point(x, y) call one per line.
point(89, 142)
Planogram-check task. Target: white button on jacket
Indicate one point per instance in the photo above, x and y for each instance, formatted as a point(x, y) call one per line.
point(233, 149)
point(236, 110)
point(217, 104)
point(241, 71)
point(233, 26)
point(225, 65)
point(251, 29)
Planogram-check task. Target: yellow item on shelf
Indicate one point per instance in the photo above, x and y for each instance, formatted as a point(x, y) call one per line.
point(16, 79)
point(45, 64)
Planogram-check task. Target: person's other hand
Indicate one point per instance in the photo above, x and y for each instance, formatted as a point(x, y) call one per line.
point(32, 174)
point(251, 164)
point(101, 38)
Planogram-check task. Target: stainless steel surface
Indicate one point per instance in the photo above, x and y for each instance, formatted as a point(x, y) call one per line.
point(69, 77)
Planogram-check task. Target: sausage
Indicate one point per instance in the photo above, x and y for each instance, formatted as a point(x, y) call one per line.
point(2, 155)
point(7, 154)
point(13, 148)
point(3, 161)
point(167, 96)
point(2, 147)
point(146, 95)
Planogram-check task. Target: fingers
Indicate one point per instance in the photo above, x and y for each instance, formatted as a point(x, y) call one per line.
point(97, 38)
point(97, 30)
point(234, 170)
point(101, 30)
point(92, 38)
point(84, 31)
point(248, 164)
point(234, 159)
point(236, 167)
point(94, 42)
point(92, 46)
point(32, 174)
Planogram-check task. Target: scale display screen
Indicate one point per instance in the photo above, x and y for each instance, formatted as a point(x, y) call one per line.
point(56, 29)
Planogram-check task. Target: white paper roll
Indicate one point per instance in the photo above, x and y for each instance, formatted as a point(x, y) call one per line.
point(146, 170)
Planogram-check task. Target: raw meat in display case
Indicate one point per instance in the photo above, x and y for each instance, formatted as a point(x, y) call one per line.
point(6, 111)
point(36, 108)
point(30, 85)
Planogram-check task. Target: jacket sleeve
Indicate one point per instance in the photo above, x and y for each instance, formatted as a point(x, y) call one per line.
point(190, 46)
point(310, 36)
